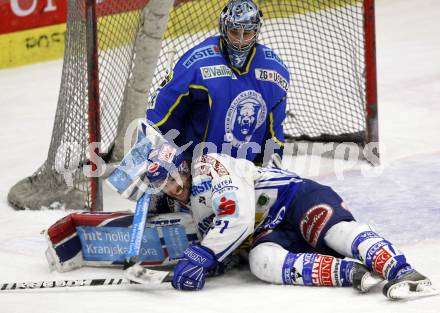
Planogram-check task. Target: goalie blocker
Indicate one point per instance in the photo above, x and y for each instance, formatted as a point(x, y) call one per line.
point(101, 239)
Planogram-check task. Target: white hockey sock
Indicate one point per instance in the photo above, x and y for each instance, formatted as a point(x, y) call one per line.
point(272, 263)
point(359, 241)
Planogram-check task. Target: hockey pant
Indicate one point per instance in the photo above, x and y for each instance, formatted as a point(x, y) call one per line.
point(308, 247)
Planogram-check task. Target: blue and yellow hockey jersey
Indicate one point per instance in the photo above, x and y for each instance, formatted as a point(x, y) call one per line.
point(208, 100)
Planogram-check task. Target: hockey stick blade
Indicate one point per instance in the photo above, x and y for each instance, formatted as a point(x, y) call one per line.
point(145, 276)
point(65, 283)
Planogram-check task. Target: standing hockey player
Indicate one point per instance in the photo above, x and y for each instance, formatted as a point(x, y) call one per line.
point(301, 230)
point(228, 90)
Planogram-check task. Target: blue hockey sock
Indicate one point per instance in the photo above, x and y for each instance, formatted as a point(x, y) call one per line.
point(378, 254)
point(313, 269)
point(345, 270)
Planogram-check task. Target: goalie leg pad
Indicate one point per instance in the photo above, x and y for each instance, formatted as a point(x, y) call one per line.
point(101, 239)
point(64, 252)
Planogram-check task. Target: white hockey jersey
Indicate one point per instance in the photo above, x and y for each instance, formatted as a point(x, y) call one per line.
point(231, 197)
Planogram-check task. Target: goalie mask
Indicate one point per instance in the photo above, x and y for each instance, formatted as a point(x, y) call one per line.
point(240, 23)
point(164, 171)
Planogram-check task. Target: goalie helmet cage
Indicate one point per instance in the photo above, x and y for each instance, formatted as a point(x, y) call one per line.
point(115, 57)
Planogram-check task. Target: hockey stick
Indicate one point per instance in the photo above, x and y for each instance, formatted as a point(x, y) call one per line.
point(146, 277)
point(137, 230)
point(66, 283)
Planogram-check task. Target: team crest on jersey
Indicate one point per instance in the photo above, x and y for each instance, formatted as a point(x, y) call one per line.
point(272, 76)
point(245, 115)
point(202, 53)
point(216, 71)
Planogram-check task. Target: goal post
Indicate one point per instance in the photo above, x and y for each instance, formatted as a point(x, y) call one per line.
point(94, 124)
point(370, 73)
point(110, 52)
point(117, 53)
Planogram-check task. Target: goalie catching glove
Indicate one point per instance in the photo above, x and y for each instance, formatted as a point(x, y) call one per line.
point(190, 272)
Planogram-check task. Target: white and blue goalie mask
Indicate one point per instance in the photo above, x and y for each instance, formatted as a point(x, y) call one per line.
point(240, 24)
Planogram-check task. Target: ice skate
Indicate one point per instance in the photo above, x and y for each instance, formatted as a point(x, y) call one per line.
point(408, 286)
point(363, 280)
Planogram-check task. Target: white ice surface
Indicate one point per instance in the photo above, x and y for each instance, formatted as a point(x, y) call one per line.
point(401, 199)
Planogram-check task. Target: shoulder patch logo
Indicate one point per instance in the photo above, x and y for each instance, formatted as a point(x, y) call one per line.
point(270, 55)
point(273, 77)
point(216, 71)
point(202, 53)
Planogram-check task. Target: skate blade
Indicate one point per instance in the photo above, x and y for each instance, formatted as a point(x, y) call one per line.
point(145, 276)
point(369, 281)
point(411, 290)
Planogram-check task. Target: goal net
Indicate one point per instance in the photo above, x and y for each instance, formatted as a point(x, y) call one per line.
point(117, 52)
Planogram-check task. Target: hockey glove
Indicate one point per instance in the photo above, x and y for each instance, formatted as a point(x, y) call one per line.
point(190, 272)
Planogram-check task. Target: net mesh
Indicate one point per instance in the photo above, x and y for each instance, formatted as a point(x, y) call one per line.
point(320, 41)
point(60, 181)
point(322, 44)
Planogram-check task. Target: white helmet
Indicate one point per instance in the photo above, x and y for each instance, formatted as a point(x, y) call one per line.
point(240, 24)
